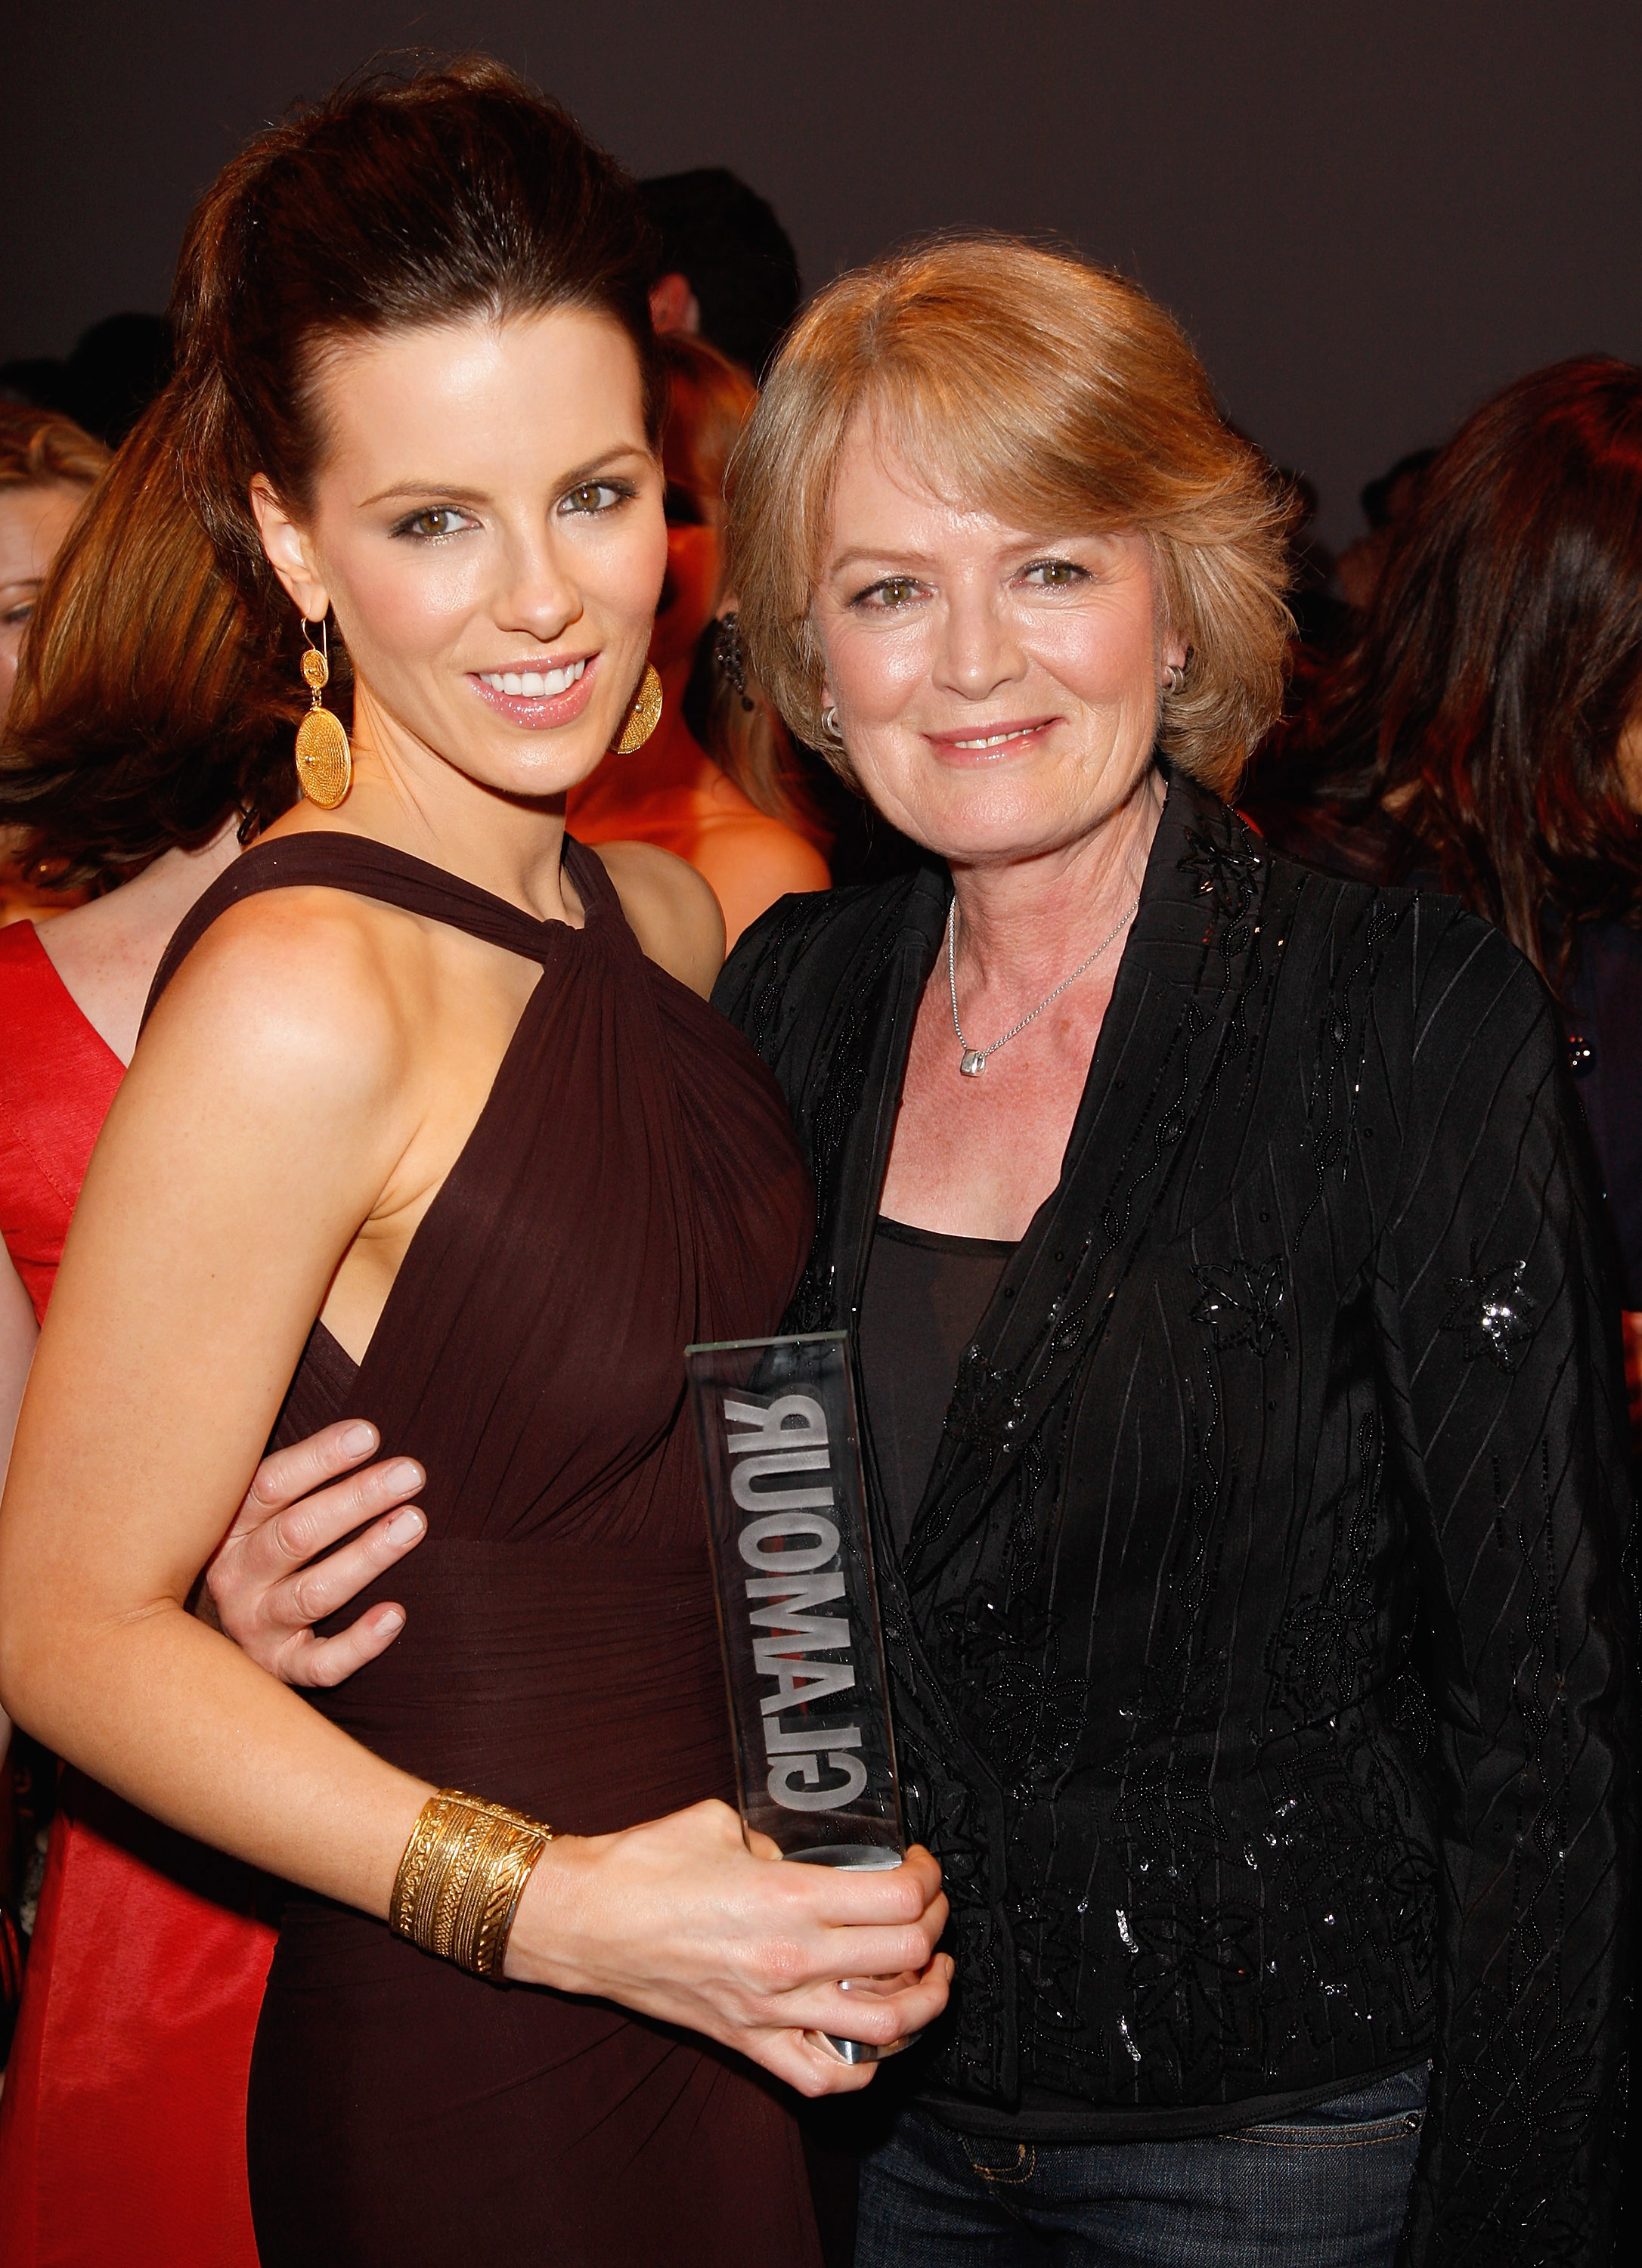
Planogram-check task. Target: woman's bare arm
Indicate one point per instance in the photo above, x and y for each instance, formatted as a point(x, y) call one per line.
point(17, 1335)
point(273, 1110)
point(158, 1378)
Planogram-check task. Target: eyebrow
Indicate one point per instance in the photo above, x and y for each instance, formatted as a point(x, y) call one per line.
point(910, 562)
point(863, 554)
point(455, 494)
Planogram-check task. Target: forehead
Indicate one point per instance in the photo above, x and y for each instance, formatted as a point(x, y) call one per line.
point(33, 521)
point(566, 384)
point(884, 494)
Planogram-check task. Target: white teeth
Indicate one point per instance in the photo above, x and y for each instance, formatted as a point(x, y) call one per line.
point(534, 683)
point(997, 740)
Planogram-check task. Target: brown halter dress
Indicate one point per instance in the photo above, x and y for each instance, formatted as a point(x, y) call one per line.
point(632, 1184)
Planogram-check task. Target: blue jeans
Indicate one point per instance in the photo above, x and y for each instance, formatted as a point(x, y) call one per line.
point(1326, 2188)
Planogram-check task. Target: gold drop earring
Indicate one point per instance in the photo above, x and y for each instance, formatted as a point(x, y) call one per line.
point(324, 759)
point(645, 715)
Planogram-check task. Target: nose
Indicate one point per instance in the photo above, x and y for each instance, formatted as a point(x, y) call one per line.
point(540, 594)
point(979, 651)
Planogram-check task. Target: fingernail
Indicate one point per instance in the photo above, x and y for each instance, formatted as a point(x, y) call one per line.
point(358, 1439)
point(405, 1525)
point(392, 1621)
point(404, 1475)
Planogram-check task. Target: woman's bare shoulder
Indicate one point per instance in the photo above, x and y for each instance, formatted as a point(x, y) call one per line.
point(308, 984)
point(671, 911)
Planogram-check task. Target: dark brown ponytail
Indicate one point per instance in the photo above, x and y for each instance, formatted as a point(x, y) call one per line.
point(159, 685)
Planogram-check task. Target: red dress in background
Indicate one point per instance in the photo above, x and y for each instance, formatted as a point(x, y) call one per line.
point(122, 2124)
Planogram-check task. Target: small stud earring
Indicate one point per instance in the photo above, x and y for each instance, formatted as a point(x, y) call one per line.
point(829, 726)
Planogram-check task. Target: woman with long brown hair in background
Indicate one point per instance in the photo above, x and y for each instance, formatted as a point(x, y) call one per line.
point(1484, 733)
point(432, 1124)
point(47, 467)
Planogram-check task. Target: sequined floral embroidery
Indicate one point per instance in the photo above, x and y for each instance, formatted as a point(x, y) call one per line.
point(1240, 1304)
point(1226, 871)
point(1494, 1314)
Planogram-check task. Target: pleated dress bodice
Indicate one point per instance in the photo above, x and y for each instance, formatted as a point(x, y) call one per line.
point(631, 1184)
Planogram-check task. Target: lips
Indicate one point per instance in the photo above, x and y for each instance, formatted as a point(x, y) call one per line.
point(538, 699)
point(988, 743)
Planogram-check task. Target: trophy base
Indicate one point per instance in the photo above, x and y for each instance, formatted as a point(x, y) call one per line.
point(854, 1857)
point(859, 2051)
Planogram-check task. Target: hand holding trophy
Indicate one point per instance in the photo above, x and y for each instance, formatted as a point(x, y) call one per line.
point(798, 1606)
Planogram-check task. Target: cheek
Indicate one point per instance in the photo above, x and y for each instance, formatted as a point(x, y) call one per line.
point(636, 568)
point(1103, 655)
point(874, 672)
point(394, 612)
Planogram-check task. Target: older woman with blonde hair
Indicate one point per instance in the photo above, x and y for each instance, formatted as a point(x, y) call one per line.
point(1222, 1260)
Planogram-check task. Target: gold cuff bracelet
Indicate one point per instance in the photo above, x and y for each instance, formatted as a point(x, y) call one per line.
point(462, 1876)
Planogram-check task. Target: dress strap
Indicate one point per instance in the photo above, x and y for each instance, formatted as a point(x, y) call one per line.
point(375, 870)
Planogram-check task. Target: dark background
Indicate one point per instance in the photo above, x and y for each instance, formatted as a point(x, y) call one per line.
point(1367, 215)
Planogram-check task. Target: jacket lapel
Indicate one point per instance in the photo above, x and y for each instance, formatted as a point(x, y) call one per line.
point(1178, 1003)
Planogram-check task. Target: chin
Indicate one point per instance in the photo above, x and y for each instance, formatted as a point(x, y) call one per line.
point(534, 777)
point(1005, 823)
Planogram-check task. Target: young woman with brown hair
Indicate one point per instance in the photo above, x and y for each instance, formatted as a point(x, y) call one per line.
point(431, 1122)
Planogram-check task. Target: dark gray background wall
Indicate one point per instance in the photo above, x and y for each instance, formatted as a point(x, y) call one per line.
point(1367, 215)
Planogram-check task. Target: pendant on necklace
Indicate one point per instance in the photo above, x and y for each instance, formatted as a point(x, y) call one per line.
point(972, 1062)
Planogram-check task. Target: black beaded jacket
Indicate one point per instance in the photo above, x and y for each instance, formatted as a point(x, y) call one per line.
point(1261, 1653)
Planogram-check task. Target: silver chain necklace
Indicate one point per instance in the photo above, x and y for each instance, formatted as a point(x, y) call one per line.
point(972, 1062)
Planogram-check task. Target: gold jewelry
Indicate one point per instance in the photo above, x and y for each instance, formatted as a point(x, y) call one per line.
point(462, 1876)
point(645, 715)
point(324, 759)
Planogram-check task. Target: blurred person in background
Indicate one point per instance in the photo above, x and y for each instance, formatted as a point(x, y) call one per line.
point(148, 1953)
point(727, 269)
point(1484, 733)
point(717, 782)
point(116, 369)
point(1386, 504)
point(47, 466)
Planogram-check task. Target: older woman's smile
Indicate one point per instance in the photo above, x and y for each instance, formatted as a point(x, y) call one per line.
point(994, 740)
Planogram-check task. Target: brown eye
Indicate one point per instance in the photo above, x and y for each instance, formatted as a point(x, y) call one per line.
point(437, 519)
point(593, 496)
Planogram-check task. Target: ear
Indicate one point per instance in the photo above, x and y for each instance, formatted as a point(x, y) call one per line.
point(286, 545)
point(1173, 650)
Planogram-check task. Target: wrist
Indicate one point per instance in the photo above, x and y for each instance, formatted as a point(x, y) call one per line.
point(542, 1948)
point(461, 1877)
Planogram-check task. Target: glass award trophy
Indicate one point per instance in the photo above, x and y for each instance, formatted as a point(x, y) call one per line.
point(798, 1609)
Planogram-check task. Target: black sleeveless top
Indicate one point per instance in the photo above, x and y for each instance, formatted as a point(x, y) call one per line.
point(923, 1297)
point(631, 1184)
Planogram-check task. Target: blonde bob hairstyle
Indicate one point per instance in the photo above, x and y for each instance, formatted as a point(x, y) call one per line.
point(1061, 400)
